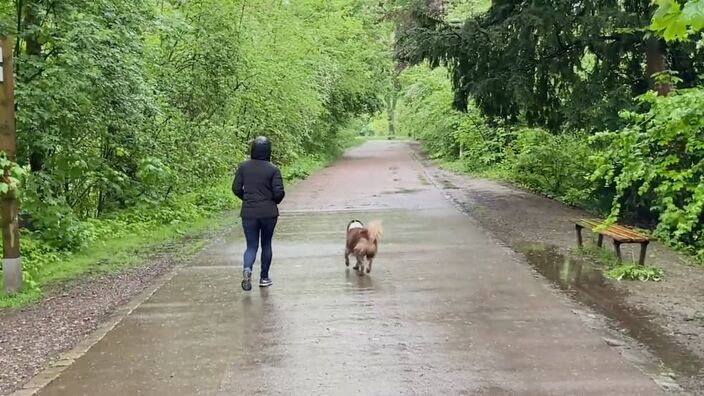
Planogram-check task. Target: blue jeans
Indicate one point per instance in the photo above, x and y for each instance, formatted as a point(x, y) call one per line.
point(253, 230)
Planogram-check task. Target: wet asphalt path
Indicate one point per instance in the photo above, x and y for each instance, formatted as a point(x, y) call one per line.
point(446, 310)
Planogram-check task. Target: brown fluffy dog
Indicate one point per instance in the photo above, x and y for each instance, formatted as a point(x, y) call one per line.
point(363, 242)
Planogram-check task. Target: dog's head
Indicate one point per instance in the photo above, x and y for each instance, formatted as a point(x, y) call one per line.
point(354, 224)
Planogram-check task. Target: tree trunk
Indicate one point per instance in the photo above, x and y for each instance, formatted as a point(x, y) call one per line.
point(393, 99)
point(12, 264)
point(391, 114)
point(656, 63)
point(33, 49)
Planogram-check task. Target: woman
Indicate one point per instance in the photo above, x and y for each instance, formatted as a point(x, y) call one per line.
point(259, 185)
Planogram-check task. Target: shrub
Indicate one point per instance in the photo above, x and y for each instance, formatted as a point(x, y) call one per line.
point(558, 166)
point(656, 162)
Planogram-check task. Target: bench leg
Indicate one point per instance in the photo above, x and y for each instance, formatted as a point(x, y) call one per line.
point(617, 248)
point(643, 249)
point(600, 240)
point(579, 235)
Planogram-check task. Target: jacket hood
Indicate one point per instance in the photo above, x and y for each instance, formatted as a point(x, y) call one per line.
point(261, 149)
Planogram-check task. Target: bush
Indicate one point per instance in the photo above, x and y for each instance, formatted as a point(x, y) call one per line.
point(558, 166)
point(59, 228)
point(635, 272)
point(481, 147)
point(656, 163)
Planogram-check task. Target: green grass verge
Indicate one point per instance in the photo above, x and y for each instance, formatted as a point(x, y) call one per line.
point(115, 255)
point(459, 166)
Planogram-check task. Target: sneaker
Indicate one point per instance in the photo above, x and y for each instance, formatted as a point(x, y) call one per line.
point(246, 280)
point(265, 282)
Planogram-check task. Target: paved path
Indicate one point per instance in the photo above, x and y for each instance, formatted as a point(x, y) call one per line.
point(446, 311)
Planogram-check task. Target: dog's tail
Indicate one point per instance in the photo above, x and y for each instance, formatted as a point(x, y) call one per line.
point(375, 231)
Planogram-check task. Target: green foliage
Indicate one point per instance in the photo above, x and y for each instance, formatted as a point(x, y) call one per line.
point(302, 169)
point(533, 81)
point(619, 270)
point(122, 103)
point(635, 272)
point(12, 175)
point(48, 255)
point(558, 65)
point(132, 114)
point(379, 126)
point(424, 111)
point(657, 162)
point(649, 172)
point(674, 22)
point(558, 166)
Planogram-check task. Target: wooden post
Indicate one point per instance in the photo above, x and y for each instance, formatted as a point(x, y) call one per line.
point(579, 235)
point(617, 248)
point(600, 240)
point(643, 250)
point(11, 263)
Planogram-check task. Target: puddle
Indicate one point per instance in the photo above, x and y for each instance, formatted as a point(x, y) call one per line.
point(586, 284)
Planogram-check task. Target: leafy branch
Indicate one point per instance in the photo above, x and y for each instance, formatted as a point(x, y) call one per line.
point(676, 23)
point(11, 177)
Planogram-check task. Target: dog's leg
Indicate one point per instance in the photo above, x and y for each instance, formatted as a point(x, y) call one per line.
point(347, 257)
point(360, 264)
point(369, 265)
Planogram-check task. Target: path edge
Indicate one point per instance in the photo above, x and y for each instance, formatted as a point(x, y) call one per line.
point(66, 359)
point(601, 325)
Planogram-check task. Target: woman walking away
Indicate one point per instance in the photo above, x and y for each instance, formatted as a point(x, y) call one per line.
point(259, 185)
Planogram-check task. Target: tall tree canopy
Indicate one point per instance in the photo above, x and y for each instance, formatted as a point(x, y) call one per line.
point(121, 100)
point(127, 102)
point(551, 63)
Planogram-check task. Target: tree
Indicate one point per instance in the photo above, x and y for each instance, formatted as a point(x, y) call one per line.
point(674, 22)
point(123, 103)
point(551, 64)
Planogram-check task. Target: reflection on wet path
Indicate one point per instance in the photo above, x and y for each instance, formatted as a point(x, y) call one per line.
point(584, 282)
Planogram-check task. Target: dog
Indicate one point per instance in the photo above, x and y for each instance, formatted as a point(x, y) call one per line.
point(363, 243)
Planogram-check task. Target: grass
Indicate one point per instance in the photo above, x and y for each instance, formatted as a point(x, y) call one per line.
point(118, 254)
point(111, 256)
point(181, 240)
point(621, 270)
point(459, 166)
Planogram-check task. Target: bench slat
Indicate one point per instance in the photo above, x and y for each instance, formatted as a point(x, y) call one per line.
point(616, 232)
point(627, 232)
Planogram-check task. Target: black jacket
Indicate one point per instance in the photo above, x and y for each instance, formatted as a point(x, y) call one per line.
point(258, 183)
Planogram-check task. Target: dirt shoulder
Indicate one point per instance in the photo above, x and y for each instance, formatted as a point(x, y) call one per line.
point(667, 317)
point(34, 337)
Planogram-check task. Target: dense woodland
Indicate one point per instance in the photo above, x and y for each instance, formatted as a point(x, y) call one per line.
point(132, 114)
point(598, 104)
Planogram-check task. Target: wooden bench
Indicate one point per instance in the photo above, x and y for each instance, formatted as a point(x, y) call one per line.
point(618, 233)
